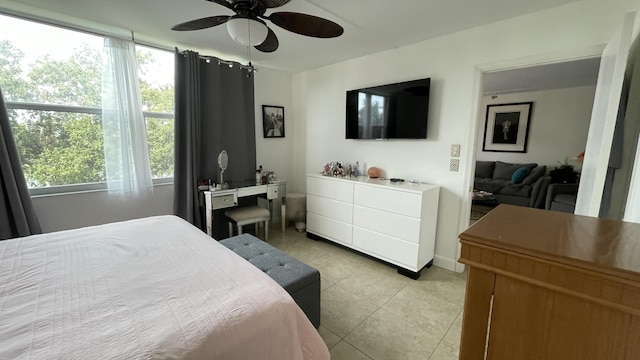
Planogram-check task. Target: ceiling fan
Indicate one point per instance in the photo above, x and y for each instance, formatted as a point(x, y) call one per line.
point(247, 26)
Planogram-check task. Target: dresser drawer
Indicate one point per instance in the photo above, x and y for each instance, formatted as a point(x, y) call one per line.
point(329, 188)
point(386, 248)
point(330, 229)
point(332, 209)
point(395, 201)
point(398, 226)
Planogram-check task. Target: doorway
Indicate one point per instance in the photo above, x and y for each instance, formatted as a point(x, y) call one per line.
point(562, 94)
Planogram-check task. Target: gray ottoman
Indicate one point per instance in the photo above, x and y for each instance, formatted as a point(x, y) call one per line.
point(300, 280)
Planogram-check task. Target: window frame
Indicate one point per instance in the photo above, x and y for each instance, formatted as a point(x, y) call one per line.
point(83, 187)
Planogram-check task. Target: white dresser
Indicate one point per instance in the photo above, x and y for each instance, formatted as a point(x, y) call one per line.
point(394, 222)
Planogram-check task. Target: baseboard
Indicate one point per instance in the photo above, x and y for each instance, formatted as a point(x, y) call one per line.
point(445, 263)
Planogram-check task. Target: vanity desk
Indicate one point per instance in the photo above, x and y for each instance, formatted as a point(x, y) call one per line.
point(226, 198)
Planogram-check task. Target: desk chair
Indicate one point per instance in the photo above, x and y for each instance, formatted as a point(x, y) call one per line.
point(246, 215)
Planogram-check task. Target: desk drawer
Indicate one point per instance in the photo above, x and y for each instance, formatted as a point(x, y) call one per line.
point(223, 201)
point(275, 191)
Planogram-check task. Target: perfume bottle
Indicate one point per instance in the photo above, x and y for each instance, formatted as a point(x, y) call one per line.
point(356, 170)
point(259, 175)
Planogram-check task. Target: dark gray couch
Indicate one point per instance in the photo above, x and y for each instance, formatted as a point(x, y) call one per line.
point(496, 177)
point(562, 197)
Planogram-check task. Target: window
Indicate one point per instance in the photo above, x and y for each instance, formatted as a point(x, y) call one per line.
point(50, 79)
point(371, 115)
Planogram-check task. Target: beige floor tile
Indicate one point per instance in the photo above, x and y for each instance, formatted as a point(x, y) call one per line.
point(341, 311)
point(449, 347)
point(325, 283)
point(386, 336)
point(346, 351)
point(423, 309)
point(376, 287)
point(330, 339)
point(442, 283)
point(446, 351)
point(417, 319)
point(334, 267)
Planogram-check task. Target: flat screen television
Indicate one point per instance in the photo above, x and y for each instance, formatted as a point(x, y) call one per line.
point(393, 111)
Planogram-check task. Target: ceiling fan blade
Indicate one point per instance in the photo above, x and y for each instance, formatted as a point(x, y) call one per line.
point(201, 23)
point(270, 44)
point(224, 3)
point(270, 4)
point(308, 25)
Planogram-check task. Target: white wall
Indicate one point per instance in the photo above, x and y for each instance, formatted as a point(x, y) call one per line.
point(70, 211)
point(452, 62)
point(558, 126)
point(274, 88)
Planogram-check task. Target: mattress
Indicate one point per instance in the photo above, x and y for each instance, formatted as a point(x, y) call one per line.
point(153, 288)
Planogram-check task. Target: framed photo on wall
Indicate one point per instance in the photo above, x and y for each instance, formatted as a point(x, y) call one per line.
point(273, 121)
point(507, 127)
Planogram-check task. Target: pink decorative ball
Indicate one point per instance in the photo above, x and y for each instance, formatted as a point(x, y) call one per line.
point(373, 172)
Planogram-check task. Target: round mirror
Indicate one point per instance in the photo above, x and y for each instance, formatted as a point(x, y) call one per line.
point(223, 160)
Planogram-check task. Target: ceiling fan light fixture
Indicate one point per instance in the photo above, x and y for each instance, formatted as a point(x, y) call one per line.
point(247, 31)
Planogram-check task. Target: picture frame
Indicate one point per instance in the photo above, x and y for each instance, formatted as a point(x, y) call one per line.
point(273, 121)
point(506, 127)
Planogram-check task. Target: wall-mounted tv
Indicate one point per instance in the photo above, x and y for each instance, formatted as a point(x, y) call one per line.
point(393, 111)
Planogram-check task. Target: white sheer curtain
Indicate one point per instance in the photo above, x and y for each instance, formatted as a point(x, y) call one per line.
point(124, 131)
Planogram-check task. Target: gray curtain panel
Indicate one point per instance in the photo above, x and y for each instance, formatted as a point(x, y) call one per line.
point(214, 111)
point(17, 216)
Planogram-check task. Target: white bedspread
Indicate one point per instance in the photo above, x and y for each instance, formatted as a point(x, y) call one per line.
point(154, 288)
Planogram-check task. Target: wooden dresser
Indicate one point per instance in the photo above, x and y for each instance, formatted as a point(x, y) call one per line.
point(546, 285)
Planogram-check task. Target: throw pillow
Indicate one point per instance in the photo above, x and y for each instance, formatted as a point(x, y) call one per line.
point(534, 175)
point(505, 170)
point(519, 175)
point(484, 169)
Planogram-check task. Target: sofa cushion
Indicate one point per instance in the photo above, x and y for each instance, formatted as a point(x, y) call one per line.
point(534, 175)
point(489, 185)
point(516, 189)
point(519, 175)
point(505, 170)
point(484, 169)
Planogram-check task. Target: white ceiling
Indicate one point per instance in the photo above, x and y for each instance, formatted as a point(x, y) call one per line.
point(575, 73)
point(370, 25)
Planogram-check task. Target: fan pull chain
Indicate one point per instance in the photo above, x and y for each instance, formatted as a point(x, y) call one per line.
point(249, 51)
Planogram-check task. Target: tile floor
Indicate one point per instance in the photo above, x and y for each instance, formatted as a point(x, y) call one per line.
point(369, 311)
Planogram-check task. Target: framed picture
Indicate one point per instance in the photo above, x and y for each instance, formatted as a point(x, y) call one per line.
point(273, 121)
point(507, 127)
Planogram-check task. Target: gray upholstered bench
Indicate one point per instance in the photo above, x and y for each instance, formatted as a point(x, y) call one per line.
point(300, 280)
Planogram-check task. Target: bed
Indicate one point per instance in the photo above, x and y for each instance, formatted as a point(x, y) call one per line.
point(152, 288)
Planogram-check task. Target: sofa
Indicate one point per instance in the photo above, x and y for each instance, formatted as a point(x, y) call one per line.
point(515, 184)
point(562, 197)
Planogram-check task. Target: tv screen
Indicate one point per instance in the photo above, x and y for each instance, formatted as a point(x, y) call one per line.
point(393, 111)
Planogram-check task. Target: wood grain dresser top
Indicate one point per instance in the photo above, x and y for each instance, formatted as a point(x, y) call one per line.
point(596, 244)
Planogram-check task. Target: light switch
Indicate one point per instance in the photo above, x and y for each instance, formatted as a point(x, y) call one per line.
point(455, 150)
point(454, 165)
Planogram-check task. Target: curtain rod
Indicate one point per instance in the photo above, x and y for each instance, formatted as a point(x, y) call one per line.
point(230, 63)
point(116, 32)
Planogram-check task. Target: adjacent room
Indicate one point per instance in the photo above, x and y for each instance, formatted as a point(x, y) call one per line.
point(315, 179)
